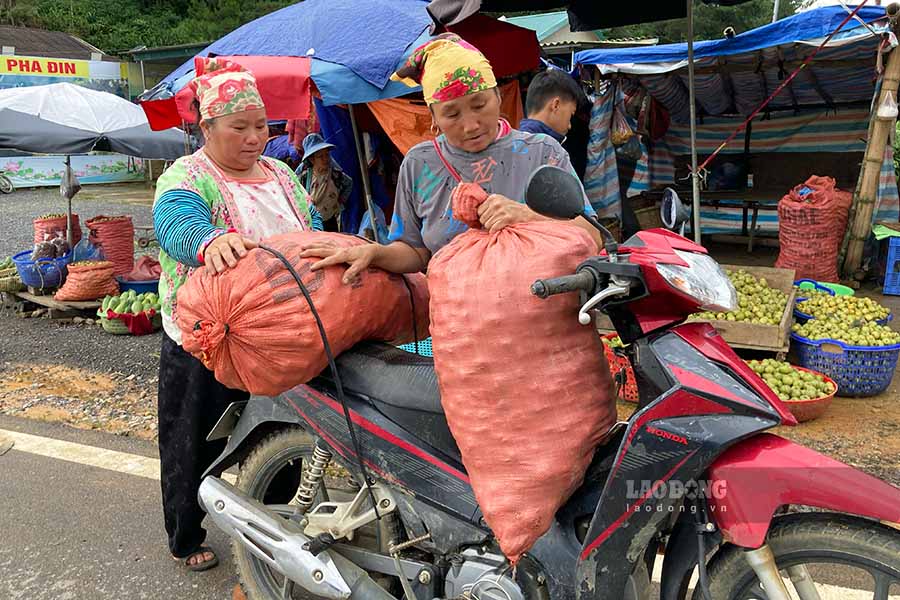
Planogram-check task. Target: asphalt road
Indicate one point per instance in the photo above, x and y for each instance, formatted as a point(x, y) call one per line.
point(74, 532)
point(80, 519)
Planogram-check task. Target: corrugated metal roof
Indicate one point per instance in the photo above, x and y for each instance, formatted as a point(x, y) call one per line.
point(40, 42)
point(613, 43)
point(544, 24)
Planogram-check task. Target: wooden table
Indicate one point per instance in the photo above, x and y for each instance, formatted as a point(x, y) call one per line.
point(56, 305)
point(749, 201)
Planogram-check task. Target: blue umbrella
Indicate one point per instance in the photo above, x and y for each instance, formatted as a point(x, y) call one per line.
point(355, 46)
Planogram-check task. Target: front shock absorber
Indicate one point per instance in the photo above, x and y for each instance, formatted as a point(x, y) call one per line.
point(312, 478)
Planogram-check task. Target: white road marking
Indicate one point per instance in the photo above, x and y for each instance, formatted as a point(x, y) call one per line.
point(82, 454)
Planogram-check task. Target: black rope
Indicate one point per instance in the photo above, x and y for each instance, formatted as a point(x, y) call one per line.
point(334, 373)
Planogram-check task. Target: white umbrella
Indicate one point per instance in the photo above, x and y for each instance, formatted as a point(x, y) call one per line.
point(63, 118)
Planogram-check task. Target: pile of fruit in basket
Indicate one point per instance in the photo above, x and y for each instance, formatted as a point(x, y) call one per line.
point(852, 331)
point(130, 313)
point(130, 302)
point(9, 276)
point(822, 305)
point(791, 383)
point(757, 301)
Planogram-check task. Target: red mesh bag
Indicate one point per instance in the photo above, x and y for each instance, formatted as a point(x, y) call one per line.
point(52, 227)
point(88, 281)
point(115, 235)
point(254, 329)
point(527, 392)
point(811, 228)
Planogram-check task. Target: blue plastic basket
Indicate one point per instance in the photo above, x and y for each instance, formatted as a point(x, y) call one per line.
point(139, 287)
point(424, 348)
point(857, 370)
point(44, 273)
point(815, 285)
point(892, 268)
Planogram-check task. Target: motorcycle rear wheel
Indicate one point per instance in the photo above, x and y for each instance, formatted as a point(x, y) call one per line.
point(6, 185)
point(839, 552)
point(279, 458)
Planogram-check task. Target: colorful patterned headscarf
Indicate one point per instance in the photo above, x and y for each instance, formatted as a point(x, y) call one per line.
point(223, 87)
point(447, 67)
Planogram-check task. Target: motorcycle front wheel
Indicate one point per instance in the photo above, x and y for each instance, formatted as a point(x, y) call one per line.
point(820, 556)
point(271, 474)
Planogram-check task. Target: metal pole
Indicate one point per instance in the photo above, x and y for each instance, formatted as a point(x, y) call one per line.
point(775, 11)
point(69, 206)
point(695, 177)
point(364, 173)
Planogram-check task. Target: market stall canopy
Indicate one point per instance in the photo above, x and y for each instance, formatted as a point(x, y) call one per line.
point(355, 45)
point(584, 15)
point(283, 83)
point(734, 76)
point(63, 118)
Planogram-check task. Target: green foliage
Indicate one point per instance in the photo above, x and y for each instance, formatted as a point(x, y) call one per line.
point(115, 26)
point(710, 21)
point(897, 149)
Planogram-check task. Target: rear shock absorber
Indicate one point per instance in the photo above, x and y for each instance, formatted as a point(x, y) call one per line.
point(312, 478)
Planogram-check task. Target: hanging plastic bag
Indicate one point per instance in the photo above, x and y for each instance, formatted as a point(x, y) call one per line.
point(621, 131)
point(630, 150)
point(887, 109)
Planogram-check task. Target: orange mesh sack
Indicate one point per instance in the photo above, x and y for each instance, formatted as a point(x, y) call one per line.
point(254, 329)
point(115, 236)
point(811, 225)
point(88, 280)
point(527, 392)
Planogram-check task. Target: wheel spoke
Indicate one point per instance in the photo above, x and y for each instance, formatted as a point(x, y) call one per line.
point(882, 586)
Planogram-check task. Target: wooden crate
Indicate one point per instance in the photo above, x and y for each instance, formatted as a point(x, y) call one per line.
point(752, 336)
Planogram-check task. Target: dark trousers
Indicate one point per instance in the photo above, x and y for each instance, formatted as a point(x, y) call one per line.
point(190, 402)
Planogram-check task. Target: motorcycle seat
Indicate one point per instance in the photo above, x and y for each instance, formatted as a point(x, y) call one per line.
point(403, 387)
point(391, 376)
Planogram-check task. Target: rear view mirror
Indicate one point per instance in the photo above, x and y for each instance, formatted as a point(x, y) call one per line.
point(554, 193)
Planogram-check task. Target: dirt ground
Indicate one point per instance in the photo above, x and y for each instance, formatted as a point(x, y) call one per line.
point(113, 385)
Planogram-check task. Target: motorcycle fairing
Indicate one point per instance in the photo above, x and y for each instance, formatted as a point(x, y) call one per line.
point(767, 471)
point(388, 450)
point(664, 442)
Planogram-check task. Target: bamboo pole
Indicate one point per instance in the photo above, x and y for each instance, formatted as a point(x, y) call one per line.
point(364, 172)
point(864, 199)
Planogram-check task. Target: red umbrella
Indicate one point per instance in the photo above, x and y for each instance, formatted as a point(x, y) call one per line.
point(495, 38)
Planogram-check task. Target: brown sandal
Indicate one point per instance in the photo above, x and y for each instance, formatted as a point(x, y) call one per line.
point(203, 565)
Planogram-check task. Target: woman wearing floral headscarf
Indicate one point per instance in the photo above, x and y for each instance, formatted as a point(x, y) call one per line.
point(211, 207)
point(474, 145)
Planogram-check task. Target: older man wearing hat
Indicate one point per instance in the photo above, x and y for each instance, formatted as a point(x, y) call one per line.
point(328, 186)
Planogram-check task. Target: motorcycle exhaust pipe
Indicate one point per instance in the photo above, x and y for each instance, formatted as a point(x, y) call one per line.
point(279, 543)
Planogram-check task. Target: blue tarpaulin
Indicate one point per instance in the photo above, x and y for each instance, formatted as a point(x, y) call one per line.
point(355, 44)
point(805, 26)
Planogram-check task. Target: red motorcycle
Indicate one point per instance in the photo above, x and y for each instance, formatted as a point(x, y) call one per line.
point(691, 476)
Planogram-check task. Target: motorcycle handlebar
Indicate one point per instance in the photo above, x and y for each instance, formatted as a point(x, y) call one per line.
point(544, 288)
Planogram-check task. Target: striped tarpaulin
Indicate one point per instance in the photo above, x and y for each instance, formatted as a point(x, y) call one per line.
point(812, 131)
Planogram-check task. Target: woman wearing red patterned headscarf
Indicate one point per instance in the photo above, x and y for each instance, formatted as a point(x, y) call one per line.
point(210, 208)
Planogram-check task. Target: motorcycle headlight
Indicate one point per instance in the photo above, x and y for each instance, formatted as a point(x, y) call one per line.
point(703, 279)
